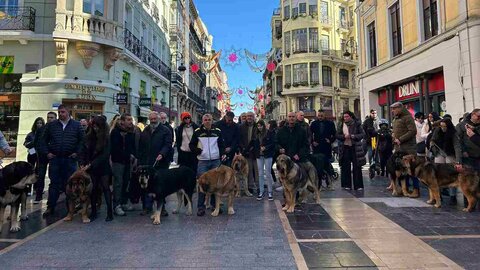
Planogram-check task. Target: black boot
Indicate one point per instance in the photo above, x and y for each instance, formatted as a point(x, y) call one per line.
point(453, 200)
point(49, 212)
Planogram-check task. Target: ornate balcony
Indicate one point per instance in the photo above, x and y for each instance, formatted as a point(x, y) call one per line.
point(89, 28)
point(196, 98)
point(17, 18)
point(134, 45)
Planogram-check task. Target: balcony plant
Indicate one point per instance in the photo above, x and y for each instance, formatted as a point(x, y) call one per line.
point(295, 84)
point(287, 85)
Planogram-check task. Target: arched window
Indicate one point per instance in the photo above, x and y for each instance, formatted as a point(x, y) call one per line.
point(343, 78)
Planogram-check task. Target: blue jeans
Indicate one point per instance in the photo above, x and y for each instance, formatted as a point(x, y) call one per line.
point(264, 168)
point(61, 168)
point(203, 167)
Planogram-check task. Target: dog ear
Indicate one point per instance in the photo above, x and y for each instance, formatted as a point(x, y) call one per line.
point(289, 164)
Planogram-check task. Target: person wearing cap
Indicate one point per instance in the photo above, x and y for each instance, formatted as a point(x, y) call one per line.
point(230, 134)
point(184, 133)
point(404, 137)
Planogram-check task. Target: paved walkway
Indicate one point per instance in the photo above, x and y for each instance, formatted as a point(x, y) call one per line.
point(349, 230)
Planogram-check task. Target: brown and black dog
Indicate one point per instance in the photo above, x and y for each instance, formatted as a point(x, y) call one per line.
point(240, 166)
point(219, 182)
point(15, 178)
point(398, 174)
point(437, 176)
point(297, 177)
point(79, 190)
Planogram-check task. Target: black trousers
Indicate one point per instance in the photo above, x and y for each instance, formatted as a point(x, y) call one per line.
point(348, 161)
point(188, 159)
point(384, 156)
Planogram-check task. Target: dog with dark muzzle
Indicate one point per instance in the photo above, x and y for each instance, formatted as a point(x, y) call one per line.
point(79, 190)
point(181, 180)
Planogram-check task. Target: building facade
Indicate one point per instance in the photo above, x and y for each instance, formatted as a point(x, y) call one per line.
point(317, 70)
point(96, 56)
point(423, 53)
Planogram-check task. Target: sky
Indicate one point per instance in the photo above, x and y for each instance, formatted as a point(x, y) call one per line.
point(239, 25)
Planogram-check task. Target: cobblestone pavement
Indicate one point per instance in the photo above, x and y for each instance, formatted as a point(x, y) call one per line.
point(366, 229)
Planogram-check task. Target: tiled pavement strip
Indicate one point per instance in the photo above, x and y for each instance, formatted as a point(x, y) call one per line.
point(343, 233)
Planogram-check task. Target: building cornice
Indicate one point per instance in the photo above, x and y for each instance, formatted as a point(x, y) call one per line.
point(44, 81)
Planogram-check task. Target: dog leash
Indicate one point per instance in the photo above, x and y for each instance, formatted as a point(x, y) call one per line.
point(440, 151)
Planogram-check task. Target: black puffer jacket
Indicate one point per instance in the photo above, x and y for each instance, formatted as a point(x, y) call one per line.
point(294, 141)
point(62, 142)
point(357, 136)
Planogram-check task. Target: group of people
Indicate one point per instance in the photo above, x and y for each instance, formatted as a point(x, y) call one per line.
point(115, 151)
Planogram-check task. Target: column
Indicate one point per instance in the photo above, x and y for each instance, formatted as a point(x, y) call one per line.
point(428, 102)
point(421, 86)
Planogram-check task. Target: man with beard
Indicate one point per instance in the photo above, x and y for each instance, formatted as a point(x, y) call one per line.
point(122, 139)
point(230, 134)
point(467, 152)
point(155, 148)
point(323, 135)
point(163, 121)
point(248, 133)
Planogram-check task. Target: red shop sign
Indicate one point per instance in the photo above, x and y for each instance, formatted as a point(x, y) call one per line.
point(382, 98)
point(407, 91)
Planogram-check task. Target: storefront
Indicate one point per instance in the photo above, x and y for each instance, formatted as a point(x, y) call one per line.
point(417, 95)
point(10, 91)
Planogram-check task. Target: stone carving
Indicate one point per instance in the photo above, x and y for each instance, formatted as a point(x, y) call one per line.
point(61, 46)
point(111, 55)
point(87, 51)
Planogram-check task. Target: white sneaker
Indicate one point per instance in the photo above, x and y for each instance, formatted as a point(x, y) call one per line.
point(127, 207)
point(119, 211)
point(279, 189)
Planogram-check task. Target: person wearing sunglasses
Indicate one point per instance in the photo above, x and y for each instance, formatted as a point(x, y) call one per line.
point(183, 134)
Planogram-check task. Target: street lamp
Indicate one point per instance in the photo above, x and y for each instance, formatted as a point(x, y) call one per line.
point(352, 44)
point(176, 55)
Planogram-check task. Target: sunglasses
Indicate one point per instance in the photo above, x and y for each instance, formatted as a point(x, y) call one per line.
point(188, 117)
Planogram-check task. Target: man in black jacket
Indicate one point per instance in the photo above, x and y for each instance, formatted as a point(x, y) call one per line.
point(122, 153)
point(292, 140)
point(370, 126)
point(323, 135)
point(61, 143)
point(163, 121)
point(39, 186)
point(155, 147)
point(248, 135)
point(230, 134)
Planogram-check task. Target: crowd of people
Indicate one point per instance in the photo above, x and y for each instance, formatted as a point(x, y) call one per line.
point(114, 151)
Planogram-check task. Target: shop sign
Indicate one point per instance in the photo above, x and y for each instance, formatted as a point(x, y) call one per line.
point(6, 64)
point(86, 91)
point(145, 102)
point(122, 99)
point(408, 90)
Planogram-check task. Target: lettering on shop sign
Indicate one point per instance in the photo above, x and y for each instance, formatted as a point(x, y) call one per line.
point(408, 89)
point(86, 91)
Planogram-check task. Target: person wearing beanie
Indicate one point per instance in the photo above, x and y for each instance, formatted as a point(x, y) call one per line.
point(184, 133)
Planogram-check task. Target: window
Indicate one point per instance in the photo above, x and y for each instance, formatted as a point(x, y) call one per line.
point(430, 19)
point(286, 9)
point(295, 12)
point(288, 74)
point(128, 17)
point(314, 75)
point(395, 29)
point(326, 76)
point(343, 17)
point(300, 74)
point(94, 7)
point(278, 29)
point(125, 80)
point(279, 85)
point(324, 12)
point(343, 78)
point(313, 40)
point(287, 44)
point(312, 7)
point(372, 44)
point(144, 34)
point(8, 6)
point(302, 8)
point(299, 38)
point(324, 43)
point(142, 92)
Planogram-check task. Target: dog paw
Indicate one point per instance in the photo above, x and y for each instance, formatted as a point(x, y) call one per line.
point(152, 217)
point(467, 210)
point(189, 213)
point(24, 217)
point(231, 211)
point(438, 205)
point(15, 228)
point(284, 208)
point(431, 201)
point(156, 222)
point(290, 210)
point(175, 211)
point(86, 220)
point(215, 213)
point(68, 218)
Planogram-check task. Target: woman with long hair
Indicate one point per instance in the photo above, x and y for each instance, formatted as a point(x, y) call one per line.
point(32, 157)
point(351, 151)
point(433, 121)
point(96, 152)
point(264, 148)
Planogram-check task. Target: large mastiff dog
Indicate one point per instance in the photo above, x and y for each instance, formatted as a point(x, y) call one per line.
point(297, 177)
point(220, 182)
point(16, 177)
point(437, 176)
point(79, 190)
point(398, 174)
point(240, 166)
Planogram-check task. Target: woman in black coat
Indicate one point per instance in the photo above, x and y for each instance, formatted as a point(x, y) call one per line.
point(29, 143)
point(96, 152)
point(183, 135)
point(264, 150)
point(350, 135)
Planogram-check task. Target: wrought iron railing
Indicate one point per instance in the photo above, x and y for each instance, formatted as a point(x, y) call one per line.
point(196, 98)
point(134, 45)
point(17, 18)
point(177, 78)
